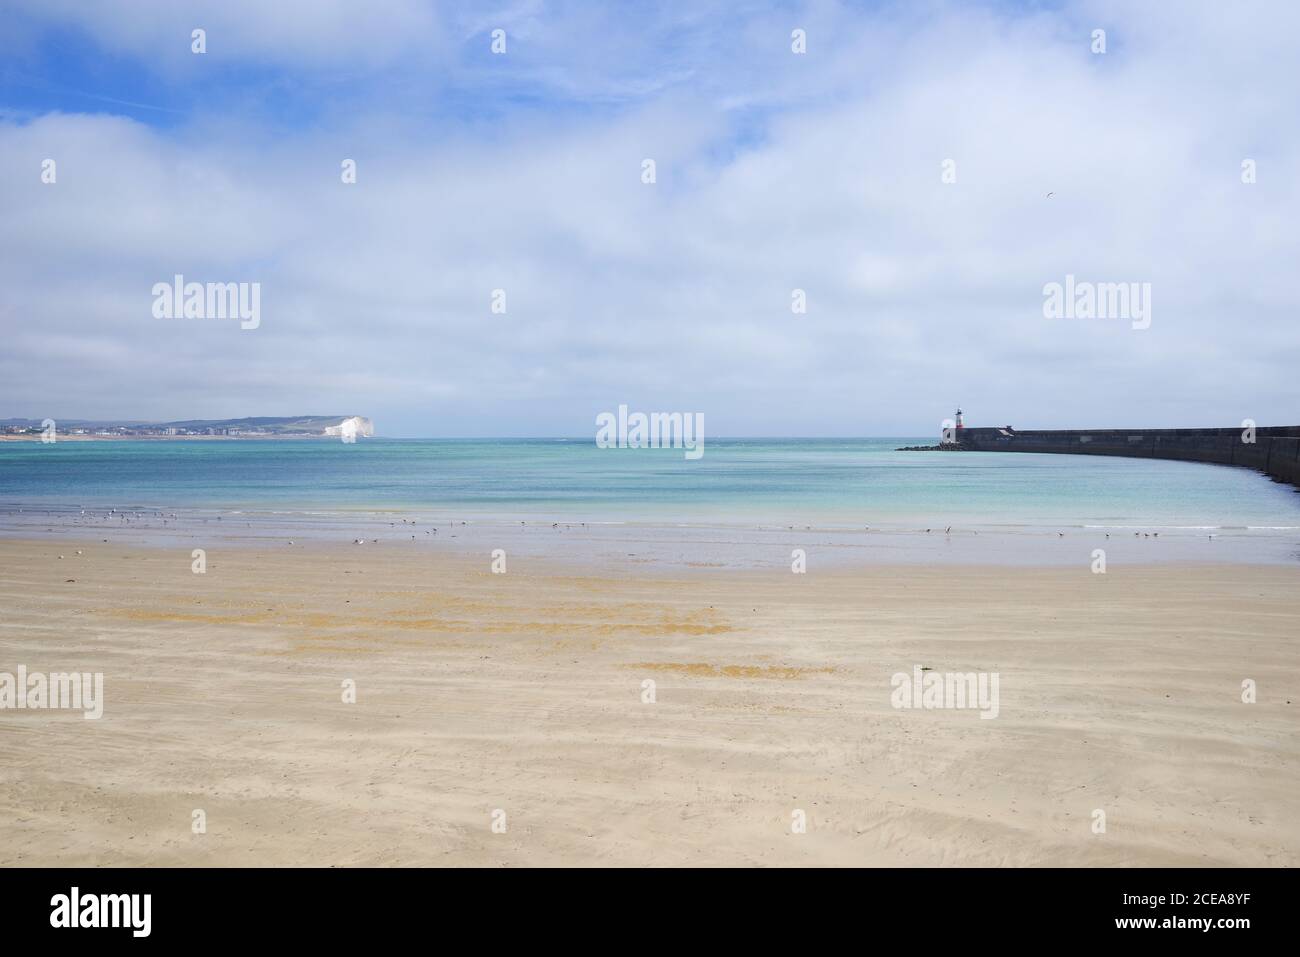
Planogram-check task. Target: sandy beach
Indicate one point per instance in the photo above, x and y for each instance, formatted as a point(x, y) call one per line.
point(524, 693)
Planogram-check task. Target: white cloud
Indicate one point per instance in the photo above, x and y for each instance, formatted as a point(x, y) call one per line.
point(921, 294)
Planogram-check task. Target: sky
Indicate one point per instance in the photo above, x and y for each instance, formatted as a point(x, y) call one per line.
point(921, 173)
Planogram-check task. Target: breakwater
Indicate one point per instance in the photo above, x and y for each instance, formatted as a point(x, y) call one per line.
point(1273, 450)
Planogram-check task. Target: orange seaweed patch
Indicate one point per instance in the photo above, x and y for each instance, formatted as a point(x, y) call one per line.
point(700, 623)
point(538, 628)
point(135, 614)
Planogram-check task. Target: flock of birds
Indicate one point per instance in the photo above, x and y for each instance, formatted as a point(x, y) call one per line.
point(126, 518)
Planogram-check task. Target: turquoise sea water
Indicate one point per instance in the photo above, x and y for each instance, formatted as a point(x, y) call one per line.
point(837, 482)
point(747, 501)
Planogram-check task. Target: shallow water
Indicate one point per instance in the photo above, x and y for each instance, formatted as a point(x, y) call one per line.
point(746, 502)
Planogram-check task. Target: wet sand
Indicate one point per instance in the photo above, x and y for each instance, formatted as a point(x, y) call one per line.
point(523, 693)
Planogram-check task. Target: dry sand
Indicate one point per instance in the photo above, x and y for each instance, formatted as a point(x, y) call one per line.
point(523, 692)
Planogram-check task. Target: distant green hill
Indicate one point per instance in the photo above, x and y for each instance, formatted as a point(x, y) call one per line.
point(293, 424)
point(267, 423)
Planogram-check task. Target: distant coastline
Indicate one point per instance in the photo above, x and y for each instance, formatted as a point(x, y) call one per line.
point(347, 427)
point(151, 437)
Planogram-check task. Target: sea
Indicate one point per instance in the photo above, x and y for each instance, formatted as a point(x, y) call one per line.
point(744, 502)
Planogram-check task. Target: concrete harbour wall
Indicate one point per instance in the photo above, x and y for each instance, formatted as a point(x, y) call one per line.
point(1275, 451)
